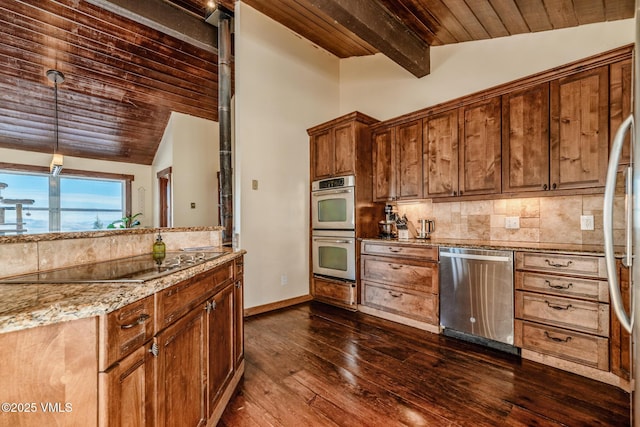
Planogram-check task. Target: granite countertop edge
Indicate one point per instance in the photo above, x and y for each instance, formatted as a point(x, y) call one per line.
point(24, 306)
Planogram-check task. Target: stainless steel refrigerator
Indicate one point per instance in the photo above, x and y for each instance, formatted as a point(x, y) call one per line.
point(631, 175)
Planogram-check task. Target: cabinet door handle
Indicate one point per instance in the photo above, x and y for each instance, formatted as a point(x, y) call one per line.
point(461, 192)
point(394, 294)
point(555, 264)
point(395, 266)
point(558, 306)
point(455, 193)
point(567, 286)
point(553, 187)
point(544, 187)
point(395, 250)
point(556, 339)
point(139, 321)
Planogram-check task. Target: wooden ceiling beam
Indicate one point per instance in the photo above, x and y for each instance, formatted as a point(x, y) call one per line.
point(166, 18)
point(372, 22)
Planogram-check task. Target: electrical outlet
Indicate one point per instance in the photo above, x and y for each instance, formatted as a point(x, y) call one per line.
point(512, 222)
point(284, 279)
point(586, 222)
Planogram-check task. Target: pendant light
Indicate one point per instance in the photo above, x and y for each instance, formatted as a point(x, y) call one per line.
point(55, 168)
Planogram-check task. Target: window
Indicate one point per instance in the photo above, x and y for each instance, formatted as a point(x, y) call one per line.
point(35, 202)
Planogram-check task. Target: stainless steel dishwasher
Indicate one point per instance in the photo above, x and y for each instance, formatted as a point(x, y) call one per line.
point(476, 296)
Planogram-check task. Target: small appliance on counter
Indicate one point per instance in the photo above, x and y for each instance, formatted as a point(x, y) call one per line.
point(388, 227)
point(427, 226)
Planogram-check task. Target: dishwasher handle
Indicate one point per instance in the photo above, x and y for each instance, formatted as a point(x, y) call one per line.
point(476, 257)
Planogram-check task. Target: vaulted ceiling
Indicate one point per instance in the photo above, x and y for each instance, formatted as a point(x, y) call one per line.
point(128, 64)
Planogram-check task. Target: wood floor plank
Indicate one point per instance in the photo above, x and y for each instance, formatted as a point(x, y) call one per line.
point(314, 364)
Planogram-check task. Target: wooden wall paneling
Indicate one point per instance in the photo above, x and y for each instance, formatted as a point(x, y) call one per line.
point(525, 140)
point(61, 369)
point(440, 154)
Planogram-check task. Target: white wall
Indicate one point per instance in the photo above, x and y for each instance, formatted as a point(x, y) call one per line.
point(141, 199)
point(284, 85)
point(382, 89)
point(190, 145)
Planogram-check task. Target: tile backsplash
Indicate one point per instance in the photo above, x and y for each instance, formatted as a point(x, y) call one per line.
point(541, 219)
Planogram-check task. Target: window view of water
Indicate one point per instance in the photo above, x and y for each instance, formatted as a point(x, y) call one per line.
point(36, 203)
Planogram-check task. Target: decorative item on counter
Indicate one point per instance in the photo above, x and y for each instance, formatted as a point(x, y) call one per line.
point(427, 226)
point(401, 226)
point(159, 249)
point(412, 228)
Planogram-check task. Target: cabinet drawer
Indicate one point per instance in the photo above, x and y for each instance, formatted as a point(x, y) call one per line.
point(581, 265)
point(124, 330)
point(335, 291)
point(391, 249)
point(416, 275)
point(569, 345)
point(415, 305)
point(177, 300)
point(584, 316)
point(594, 290)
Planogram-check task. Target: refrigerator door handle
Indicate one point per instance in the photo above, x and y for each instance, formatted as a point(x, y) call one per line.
point(607, 219)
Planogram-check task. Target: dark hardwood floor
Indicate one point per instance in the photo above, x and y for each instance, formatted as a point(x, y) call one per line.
point(316, 365)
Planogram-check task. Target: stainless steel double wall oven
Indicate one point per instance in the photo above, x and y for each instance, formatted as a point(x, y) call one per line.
point(333, 240)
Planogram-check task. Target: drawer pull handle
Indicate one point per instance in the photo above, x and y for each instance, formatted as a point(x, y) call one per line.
point(395, 295)
point(558, 306)
point(395, 250)
point(395, 266)
point(555, 264)
point(567, 286)
point(141, 319)
point(556, 339)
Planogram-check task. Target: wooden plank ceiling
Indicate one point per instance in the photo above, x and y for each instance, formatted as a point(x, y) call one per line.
point(123, 78)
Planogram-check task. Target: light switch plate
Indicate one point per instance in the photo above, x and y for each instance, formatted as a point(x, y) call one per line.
point(254, 184)
point(512, 222)
point(586, 222)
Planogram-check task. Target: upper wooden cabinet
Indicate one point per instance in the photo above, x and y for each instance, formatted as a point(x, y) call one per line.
point(337, 147)
point(479, 155)
point(440, 154)
point(397, 162)
point(620, 79)
point(525, 140)
point(383, 176)
point(579, 129)
point(408, 161)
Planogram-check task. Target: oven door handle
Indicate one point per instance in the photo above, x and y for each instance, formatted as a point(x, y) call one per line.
point(325, 192)
point(332, 240)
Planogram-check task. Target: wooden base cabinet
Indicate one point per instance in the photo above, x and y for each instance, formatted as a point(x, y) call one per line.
point(126, 378)
point(112, 371)
point(334, 291)
point(400, 283)
point(563, 315)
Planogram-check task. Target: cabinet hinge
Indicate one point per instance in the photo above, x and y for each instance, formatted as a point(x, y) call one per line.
point(154, 349)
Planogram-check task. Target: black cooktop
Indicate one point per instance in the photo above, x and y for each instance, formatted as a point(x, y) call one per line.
point(132, 269)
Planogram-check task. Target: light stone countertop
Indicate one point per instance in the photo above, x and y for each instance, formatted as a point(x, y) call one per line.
point(568, 248)
point(25, 306)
